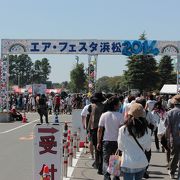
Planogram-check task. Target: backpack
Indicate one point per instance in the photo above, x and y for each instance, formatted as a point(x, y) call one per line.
point(161, 127)
point(96, 111)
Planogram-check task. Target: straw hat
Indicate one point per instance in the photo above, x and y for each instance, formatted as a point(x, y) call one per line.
point(136, 110)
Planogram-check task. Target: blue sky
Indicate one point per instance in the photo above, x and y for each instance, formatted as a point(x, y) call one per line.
point(93, 19)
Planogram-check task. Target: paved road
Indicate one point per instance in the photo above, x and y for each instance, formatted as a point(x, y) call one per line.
point(84, 170)
point(16, 159)
point(16, 148)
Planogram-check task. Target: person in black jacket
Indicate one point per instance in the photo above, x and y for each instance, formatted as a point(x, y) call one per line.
point(42, 108)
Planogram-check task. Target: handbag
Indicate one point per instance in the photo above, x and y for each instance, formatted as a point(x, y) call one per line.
point(161, 127)
point(114, 164)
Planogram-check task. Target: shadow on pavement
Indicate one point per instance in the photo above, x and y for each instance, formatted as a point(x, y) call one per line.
point(157, 173)
point(156, 177)
point(76, 178)
point(156, 165)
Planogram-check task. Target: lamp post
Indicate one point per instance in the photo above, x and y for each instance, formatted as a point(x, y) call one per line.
point(77, 59)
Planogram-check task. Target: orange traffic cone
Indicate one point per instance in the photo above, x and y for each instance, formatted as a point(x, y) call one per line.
point(24, 119)
point(46, 175)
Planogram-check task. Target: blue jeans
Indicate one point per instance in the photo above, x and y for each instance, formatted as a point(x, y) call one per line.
point(109, 148)
point(134, 176)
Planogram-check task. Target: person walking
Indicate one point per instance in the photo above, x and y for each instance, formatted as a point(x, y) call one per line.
point(159, 114)
point(50, 104)
point(32, 103)
point(131, 100)
point(134, 138)
point(151, 123)
point(109, 122)
point(85, 115)
point(43, 108)
point(97, 108)
point(56, 103)
point(150, 103)
point(173, 136)
point(69, 104)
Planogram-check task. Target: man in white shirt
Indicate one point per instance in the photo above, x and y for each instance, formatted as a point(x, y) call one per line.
point(109, 124)
point(85, 117)
point(69, 104)
point(150, 103)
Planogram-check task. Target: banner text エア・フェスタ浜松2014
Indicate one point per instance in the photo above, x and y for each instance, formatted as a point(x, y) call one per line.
point(90, 47)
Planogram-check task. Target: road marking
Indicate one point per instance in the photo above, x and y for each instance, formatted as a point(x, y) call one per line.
point(71, 169)
point(10, 130)
point(27, 138)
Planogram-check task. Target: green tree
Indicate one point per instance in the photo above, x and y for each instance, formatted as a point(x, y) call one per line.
point(143, 36)
point(122, 85)
point(114, 84)
point(36, 75)
point(118, 84)
point(20, 69)
point(165, 70)
point(78, 78)
point(41, 71)
point(142, 72)
point(64, 84)
point(49, 84)
point(13, 73)
point(56, 85)
point(102, 84)
point(46, 69)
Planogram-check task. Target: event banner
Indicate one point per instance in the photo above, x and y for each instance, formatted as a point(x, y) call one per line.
point(90, 47)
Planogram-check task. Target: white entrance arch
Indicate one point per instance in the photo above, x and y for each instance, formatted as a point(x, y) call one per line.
point(90, 47)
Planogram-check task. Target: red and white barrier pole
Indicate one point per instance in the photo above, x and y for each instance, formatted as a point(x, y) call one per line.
point(71, 151)
point(68, 137)
point(74, 144)
point(78, 139)
point(65, 149)
point(65, 132)
point(65, 169)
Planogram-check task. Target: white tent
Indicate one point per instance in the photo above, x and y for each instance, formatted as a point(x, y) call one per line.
point(169, 89)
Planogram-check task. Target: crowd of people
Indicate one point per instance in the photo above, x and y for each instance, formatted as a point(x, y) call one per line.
point(127, 124)
point(114, 122)
point(62, 104)
point(45, 104)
